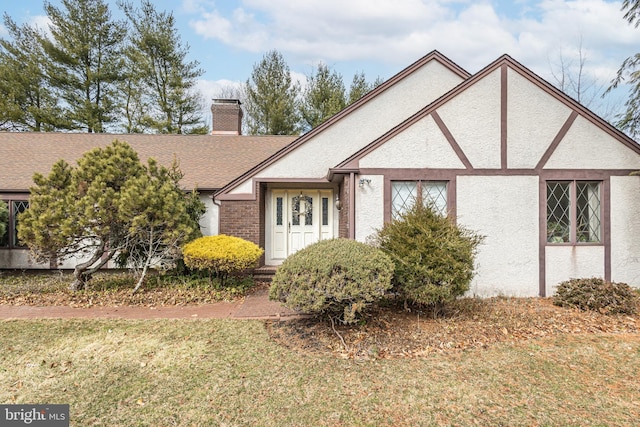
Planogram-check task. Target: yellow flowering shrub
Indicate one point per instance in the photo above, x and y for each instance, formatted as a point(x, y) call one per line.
point(221, 254)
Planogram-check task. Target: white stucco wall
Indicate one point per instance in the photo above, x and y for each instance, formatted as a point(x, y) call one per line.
point(355, 131)
point(625, 230)
point(534, 118)
point(370, 206)
point(209, 223)
point(567, 262)
point(585, 146)
point(420, 146)
point(504, 209)
point(473, 118)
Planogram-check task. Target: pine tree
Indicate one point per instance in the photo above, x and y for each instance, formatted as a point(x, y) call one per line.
point(26, 103)
point(323, 97)
point(271, 103)
point(109, 204)
point(158, 65)
point(84, 55)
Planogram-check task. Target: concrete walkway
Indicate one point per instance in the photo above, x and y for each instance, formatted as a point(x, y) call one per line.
point(256, 305)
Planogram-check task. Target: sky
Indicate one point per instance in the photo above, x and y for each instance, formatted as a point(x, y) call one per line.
point(382, 37)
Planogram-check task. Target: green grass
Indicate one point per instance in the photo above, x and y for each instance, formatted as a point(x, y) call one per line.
point(229, 373)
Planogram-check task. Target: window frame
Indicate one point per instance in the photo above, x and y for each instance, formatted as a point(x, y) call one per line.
point(420, 190)
point(574, 239)
point(11, 233)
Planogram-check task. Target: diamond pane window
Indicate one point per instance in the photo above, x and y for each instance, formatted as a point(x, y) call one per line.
point(558, 212)
point(588, 212)
point(403, 196)
point(18, 208)
point(573, 212)
point(405, 193)
point(4, 239)
point(435, 193)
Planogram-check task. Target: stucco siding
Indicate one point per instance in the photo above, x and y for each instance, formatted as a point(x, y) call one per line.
point(420, 146)
point(567, 262)
point(362, 126)
point(585, 146)
point(625, 230)
point(533, 120)
point(473, 118)
point(209, 223)
point(369, 207)
point(505, 210)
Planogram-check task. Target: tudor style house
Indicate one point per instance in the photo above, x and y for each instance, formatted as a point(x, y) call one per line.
point(549, 184)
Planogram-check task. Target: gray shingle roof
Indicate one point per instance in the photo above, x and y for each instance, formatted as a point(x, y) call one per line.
point(207, 161)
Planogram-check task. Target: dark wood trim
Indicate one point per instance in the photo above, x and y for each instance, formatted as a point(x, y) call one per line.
point(452, 141)
point(606, 226)
point(556, 141)
point(503, 116)
point(542, 241)
point(352, 205)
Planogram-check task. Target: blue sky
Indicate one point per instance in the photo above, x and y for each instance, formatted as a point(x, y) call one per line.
point(381, 37)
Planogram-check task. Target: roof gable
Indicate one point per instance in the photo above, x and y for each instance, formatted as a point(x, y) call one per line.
point(362, 110)
point(499, 75)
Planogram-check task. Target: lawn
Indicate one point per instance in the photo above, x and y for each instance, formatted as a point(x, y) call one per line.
point(231, 373)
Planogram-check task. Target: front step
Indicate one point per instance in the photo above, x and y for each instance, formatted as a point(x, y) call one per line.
point(264, 273)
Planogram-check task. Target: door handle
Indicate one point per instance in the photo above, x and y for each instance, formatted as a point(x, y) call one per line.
point(289, 227)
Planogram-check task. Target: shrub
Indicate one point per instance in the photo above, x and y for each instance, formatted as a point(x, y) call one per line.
point(222, 255)
point(433, 256)
point(596, 294)
point(338, 277)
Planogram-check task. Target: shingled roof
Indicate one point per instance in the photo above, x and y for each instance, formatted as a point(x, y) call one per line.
point(207, 161)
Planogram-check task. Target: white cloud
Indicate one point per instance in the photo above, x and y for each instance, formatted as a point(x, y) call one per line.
point(396, 33)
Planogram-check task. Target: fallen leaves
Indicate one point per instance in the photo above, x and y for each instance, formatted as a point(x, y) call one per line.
point(391, 332)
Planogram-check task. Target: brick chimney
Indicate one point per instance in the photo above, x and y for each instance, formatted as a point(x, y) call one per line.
point(227, 117)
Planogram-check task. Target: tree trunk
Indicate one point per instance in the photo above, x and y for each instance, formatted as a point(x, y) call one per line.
point(81, 272)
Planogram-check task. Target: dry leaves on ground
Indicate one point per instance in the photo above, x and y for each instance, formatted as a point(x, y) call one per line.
point(390, 332)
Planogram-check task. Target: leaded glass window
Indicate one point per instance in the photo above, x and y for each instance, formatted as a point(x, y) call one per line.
point(588, 211)
point(405, 193)
point(563, 218)
point(18, 208)
point(558, 212)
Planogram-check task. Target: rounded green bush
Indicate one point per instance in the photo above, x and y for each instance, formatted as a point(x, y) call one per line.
point(433, 257)
point(221, 254)
point(598, 295)
point(338, 277)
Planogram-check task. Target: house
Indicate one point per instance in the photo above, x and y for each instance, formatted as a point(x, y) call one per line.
point(547, 182)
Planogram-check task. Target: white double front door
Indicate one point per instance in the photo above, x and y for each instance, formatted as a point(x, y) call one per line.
point(298, 218)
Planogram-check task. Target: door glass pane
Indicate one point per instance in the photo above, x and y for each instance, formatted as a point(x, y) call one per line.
point(279, 211)
point(435, 194)
point(325, 211)
point(302, 210)
point(403, 196)
point(588, 211)
point(558, 212)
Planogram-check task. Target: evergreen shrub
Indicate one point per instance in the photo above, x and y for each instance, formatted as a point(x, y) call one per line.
point(598, 295)
point(433, 257)
point(221, 254)
point(338, 277)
